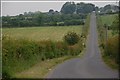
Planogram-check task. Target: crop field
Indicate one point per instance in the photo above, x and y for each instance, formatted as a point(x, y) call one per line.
point(41, 33)
point(108, 19)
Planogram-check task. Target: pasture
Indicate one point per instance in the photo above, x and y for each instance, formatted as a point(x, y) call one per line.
point(108, 19)
point(41, 33)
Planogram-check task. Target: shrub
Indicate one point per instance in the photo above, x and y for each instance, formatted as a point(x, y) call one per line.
point(113, 48)
point(71, 38)
point(21, 54)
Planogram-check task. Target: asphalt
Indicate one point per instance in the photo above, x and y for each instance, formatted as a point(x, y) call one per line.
point(90, 65)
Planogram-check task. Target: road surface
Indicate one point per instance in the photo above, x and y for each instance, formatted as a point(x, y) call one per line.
point(90, 65)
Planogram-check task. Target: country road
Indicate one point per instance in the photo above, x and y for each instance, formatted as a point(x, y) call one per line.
point(90, 65)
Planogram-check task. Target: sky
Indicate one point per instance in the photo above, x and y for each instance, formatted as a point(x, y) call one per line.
point(15, 8)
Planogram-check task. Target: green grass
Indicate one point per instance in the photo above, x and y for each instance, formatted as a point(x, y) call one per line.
point(0, 56)
point(41, 69)
point(41, 33)
point(109, 32)
point(108, 19)
point(111, 62)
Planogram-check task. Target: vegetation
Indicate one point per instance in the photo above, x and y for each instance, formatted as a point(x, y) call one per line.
point(43, 19)
point(113, 49)
point(24, 47)
point(23, 54)
point(41, 33)
point(79, 8)
point(109, 42)
point(68, 8)
point(71, 38)
point(108, 19)
point(112, 23)
point(70, 14)
point(0, 57)
point(109, 9)
point(85, 8)
point(0, 53)
point(40, 69)
point(85, 28)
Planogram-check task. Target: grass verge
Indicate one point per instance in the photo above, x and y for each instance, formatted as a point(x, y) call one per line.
point(110, 62)
point(108, 57)
point(41, 69)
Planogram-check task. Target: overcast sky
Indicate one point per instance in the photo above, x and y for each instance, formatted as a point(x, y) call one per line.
point(15, 8)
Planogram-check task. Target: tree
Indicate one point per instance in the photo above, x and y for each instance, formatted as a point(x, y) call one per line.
point(68, 8)
point(39, 19)
point(96, 9)
point(51, 10)
point(85, 8)
point(109, 9)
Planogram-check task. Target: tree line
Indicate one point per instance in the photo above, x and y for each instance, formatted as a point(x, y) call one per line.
point(43, 19)
point(70, 14)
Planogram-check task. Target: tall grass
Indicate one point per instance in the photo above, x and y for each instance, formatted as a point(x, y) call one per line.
point(101, 30)
point(109, 46)
point(22, 54)
point(85, 28)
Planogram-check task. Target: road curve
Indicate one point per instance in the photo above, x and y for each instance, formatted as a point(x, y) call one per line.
point(90, 65)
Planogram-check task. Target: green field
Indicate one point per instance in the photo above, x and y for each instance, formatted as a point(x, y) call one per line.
point(108, 19)
point(110, 53)
point(41, 33)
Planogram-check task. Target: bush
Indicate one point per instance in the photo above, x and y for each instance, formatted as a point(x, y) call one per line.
point(71, 38)
point(113, 48)
point(21, 54)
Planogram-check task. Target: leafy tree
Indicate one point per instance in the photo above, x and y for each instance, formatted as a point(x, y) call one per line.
point(109, 9)
point(96, 9)
point(68, 8)
point(85, 8)
point(51, 10)
point(39, 19)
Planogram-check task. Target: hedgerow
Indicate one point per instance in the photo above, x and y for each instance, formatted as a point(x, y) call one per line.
point(21, 54)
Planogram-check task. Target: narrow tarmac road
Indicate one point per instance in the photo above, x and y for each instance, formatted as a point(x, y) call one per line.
point(90, 65)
